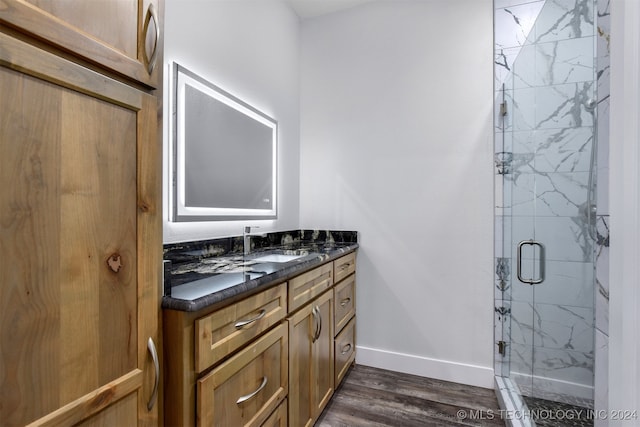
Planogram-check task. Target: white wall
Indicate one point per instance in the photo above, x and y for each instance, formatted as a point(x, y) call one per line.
point(249, 48)
point(396, 142)
point(624, 188)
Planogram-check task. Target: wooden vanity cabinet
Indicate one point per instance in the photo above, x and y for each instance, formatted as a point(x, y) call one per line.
point(311, 360)
point(284, 349)
point(81, 252)
point(345, 315)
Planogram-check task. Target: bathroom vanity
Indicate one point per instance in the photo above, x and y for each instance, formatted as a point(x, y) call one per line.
point(258, 339)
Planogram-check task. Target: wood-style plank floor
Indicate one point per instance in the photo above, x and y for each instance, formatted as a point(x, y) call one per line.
point(376, 397)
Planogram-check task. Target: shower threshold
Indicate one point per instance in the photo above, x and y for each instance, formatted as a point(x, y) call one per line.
point(514, 410)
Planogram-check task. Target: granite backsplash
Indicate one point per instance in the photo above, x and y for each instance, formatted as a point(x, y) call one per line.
point(183, 261)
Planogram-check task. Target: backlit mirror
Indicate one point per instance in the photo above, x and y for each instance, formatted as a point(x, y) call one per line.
point(224, 154)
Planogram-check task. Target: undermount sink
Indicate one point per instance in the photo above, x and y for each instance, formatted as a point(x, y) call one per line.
point(277, 258)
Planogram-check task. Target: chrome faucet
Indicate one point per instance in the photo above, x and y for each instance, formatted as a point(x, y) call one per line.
point(246, 239)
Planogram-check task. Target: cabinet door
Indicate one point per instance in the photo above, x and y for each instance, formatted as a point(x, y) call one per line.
point(311, 360)
point(81, 240)
point(122, 35)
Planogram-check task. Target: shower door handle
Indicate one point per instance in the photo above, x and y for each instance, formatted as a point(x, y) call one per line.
point(531, 281)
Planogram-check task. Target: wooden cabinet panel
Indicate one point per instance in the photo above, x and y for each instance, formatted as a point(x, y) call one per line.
point(279, 416)
point(121, 413)
point(345, 302)
point(224, 331)
point(244, 390)
point(79, 260)
point(120, 35)
point(311, 360)
point(344, 266)
point(345, 349)
point(309, 285)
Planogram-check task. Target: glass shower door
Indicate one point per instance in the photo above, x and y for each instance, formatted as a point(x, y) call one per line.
point(548, 122)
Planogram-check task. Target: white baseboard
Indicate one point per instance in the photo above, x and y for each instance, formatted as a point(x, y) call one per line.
point(479, 376)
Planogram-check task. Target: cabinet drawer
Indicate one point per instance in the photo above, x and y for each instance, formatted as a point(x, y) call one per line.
point(345, 302)
point(345, 350)
point(309, 285)
point(224, 331)
point(246, 389)
point(279, 416)
point(342, 267)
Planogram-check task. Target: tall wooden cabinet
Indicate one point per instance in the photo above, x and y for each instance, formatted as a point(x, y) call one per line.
point(80, 213)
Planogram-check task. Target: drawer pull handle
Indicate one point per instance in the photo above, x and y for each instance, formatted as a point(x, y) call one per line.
point(244, 398)
point(244, 323)
point(346, 349)
point(345, 302)
point(344, 267)
point(154, 355)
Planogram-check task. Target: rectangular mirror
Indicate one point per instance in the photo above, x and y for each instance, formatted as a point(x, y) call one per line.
point(224, 154)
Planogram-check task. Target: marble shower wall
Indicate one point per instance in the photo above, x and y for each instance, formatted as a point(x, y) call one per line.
point(545, 68)
point(602, 213)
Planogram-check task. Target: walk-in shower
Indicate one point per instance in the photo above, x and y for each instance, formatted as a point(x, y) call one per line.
point(546, 152)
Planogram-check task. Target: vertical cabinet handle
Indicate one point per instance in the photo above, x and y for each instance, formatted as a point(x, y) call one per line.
point(151, 14)
point(315, 324)
point(154, 355)
point(246, 397)
point(531, 281)
point(319, 323)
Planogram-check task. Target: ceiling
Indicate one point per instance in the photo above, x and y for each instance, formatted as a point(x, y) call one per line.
point(312, 8)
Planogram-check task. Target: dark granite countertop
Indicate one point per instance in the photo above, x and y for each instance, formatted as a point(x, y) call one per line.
point(203, 273)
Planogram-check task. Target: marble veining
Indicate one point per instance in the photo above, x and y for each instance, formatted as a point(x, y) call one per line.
point(201, 273)
point(503, 273)
point(552, 69)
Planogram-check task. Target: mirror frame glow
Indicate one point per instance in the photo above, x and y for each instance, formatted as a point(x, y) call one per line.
point(183, 78)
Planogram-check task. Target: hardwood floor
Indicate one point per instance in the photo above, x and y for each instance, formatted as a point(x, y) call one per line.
point(375, 397)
